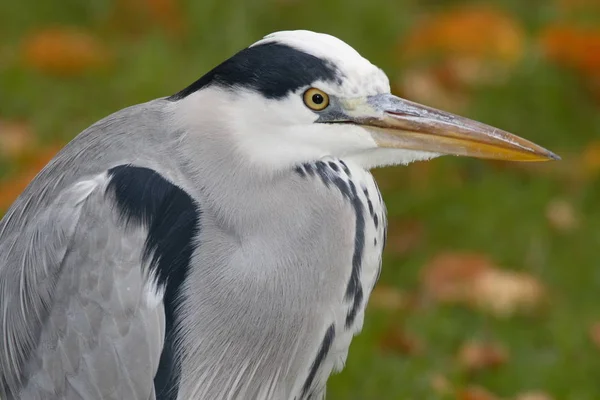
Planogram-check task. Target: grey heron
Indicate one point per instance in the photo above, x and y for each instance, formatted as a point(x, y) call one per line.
point(220, 243)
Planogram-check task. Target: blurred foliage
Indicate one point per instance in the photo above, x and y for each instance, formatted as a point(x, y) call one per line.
point(490, 279)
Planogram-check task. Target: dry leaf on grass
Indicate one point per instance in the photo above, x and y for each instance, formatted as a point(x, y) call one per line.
point(573, 46)
point(591, 159)
point(475, 356)
point(390, 178)
point(15, 138)
point(595, 334)
point(533, 396)
point(499, 35)
point(472, 279)
point(404, 236)
point(397, 340)
point(475, 393)
point(64, 51)
point(440, 385)
point(138, 16)
point(12, 187)
point(388, 298)
point(449, 277)
point(456, 58)
point(571, 171)
point(573, 5)
point(434, 87)
point(37, 159)
point(168, 13)
point(505, 293)
point(421, 175)
point(561, 215)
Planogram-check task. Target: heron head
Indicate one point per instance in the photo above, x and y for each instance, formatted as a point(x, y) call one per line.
point(299, 96)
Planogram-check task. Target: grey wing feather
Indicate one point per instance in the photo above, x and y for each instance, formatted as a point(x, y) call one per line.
point(76, 320)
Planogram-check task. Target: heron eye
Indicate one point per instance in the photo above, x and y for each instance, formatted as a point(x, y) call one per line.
point(316, 99)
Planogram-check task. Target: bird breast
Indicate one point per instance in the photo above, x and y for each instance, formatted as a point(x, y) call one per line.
point(367, 225)
point(280, 305)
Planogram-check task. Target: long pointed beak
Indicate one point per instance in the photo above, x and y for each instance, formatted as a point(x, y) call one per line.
point(399, 123)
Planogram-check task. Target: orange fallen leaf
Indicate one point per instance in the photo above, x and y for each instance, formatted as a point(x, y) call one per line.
point(561, 215)
point(479, 31)
point(595, 334)
point(440, 385)
point(569, 172)
point(533, 396)
point(573, 46)
point(472, 279)
point(476, 356)
point(138, 16)
point(434, 85)
point(388, 298)
point(449, 277)
point(397, 340)
point(591, 159)
point(443, 59)
point(476, 393)
point(420, 175)
point(404, 236)
point(505, 293)
point(570, 5)
point(12, 187)
point(390, 178)
point(36, 160)
point(64, 51)
point(15, 138)
point(168, 13)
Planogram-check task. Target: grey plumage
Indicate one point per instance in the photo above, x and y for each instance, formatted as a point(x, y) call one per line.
point(220, 243)
point(94, 312)
point(80, 281)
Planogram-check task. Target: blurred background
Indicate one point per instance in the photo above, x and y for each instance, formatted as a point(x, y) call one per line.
point(491, 279)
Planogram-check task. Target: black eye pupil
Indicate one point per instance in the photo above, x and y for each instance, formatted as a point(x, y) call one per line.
point(317, 99)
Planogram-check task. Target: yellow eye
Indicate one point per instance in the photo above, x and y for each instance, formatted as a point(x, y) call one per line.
point(316, 99)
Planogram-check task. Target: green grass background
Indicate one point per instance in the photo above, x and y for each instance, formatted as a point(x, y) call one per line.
point(497, 212)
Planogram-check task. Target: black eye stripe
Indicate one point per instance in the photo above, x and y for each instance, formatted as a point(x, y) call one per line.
point(272, 69)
